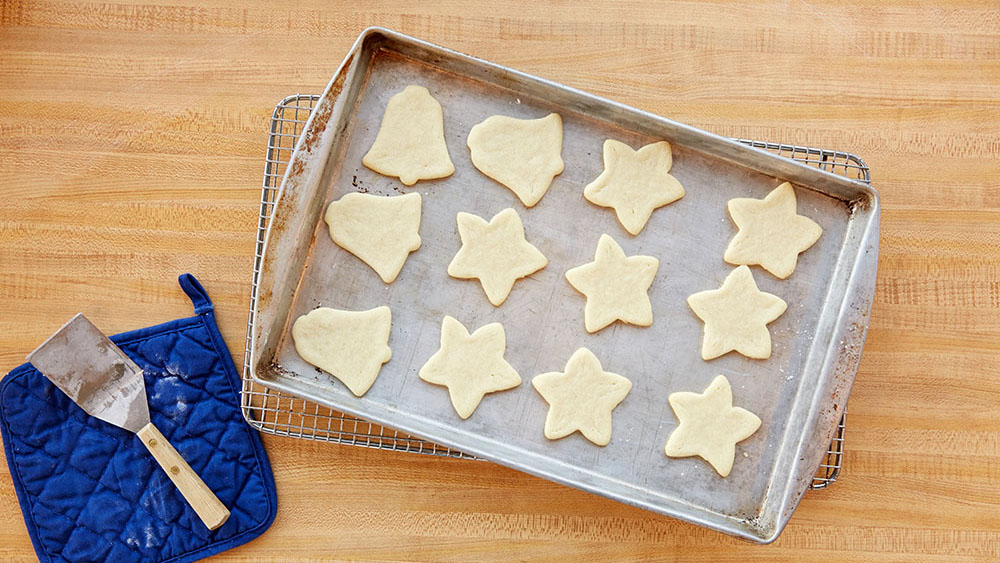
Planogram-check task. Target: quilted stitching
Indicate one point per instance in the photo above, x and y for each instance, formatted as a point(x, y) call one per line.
point(91, 491)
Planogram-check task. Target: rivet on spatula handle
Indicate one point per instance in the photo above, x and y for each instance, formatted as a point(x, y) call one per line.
point(204, 502)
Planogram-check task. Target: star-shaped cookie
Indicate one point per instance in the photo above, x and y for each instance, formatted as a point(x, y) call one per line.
point(615, 286)
point(710, 426)
point(634, 183)
point(495, 253)
point(771, 233)
point(581, 398)
point(470, 366)
point(736, 317)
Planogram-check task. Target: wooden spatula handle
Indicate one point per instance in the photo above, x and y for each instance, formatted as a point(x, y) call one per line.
point(208, 506)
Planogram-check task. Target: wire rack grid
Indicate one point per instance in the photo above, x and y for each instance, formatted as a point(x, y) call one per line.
point(280, 414)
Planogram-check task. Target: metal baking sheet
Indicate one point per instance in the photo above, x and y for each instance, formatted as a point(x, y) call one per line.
point(799, 393)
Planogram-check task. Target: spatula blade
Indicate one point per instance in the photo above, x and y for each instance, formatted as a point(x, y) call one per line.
point(94, 373)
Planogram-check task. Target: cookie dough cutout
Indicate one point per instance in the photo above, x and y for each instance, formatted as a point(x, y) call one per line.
point(615, 286)
point(736, 317)
point(522, 154)
point(710, 426)
point(634, 183)
point(410, 142)
point(581, 398)
point(470, 365)
point(495, 253)
point(771, 233)
point(349, 345)
point(381, 231)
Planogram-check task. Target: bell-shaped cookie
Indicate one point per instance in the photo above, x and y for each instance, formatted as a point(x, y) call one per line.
point(522, 154)
point(381, 231)
point(410, 142)
point(349, 345)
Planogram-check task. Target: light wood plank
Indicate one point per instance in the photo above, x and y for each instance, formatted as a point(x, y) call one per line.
point(131, 150)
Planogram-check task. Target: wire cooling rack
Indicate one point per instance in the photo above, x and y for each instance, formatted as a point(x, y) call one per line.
point(285, 415)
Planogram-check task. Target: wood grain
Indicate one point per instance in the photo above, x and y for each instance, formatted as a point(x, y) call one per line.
point(131, 148)
point(198, 495)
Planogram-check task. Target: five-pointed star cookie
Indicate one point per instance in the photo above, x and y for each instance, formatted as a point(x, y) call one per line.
point(496, 253)
point(581, 398)
point(771, 234)
point(615, 286)
point(710, 426)
point(634, 183)
point(736, 316)
point(470, 366)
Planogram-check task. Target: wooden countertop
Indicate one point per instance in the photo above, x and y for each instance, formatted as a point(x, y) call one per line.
point(131, 150)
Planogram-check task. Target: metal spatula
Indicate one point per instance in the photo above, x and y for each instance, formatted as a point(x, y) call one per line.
point(107, 384)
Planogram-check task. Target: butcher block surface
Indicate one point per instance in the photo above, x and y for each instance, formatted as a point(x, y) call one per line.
point(132, 143)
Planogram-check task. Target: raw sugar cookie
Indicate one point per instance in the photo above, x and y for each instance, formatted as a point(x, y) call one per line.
point(771, 233)
point(496, 253)
point(710, 426)
point(381, 231)
point(349, 345)
point(470, 365)
point(581, 398)
point(410, 142)
point(736, 317)
point(615, 286)
point(522, 154)
point(634, 183)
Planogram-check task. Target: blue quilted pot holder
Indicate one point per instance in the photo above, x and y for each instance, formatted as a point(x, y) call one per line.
point(91, 492)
